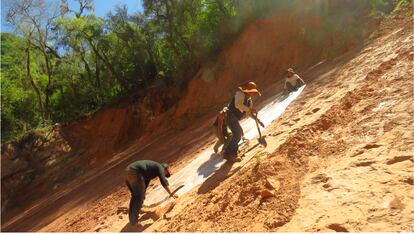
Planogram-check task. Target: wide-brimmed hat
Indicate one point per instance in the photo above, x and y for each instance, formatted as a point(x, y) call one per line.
point(249, 87)
point(291, 70)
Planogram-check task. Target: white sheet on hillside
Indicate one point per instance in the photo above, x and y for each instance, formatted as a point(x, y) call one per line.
point(206, 162)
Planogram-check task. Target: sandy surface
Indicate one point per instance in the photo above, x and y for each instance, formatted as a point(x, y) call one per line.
point(340, 158)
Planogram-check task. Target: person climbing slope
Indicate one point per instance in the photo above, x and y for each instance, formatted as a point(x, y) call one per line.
point(220, 130)
point(239, 105)
point(293, 82)
point(139, 175)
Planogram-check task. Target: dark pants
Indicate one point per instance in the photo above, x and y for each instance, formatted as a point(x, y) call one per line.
point(137, 186)
point(292, 88)
point(226, 136)
point(235, 128)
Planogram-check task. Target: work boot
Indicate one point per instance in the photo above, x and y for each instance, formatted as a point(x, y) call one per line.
point(235, 159)
point(226, 156)
point(231, 158)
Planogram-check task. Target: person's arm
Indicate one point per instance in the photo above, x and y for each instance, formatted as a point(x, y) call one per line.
point(169, 192)
point(238, 102)
point(164, 181)
point(254, 116)
point(252, 112)
point(299, 80)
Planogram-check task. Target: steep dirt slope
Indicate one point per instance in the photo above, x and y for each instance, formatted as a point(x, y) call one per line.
point(267, 47)
point(74, 199)
point(339, 115)
point(340, 159)
point(263, 50)
point(38, 164)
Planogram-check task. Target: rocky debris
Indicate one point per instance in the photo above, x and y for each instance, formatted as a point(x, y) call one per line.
point(398, 159)
point(266, 193)
point(273, 183)
point(320, 178)
point(122, 210)
point(337, 227)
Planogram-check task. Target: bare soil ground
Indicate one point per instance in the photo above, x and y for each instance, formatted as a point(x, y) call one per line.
point(339, 159)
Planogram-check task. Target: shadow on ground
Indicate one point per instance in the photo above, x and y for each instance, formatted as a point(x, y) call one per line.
point(218, 177)
point(134, 228)
point(210, 166)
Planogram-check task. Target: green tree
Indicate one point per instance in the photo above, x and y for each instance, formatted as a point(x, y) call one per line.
point(18, 100)
point(34, 20)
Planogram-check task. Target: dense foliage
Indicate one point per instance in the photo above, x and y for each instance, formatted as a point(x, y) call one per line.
point(62, 63)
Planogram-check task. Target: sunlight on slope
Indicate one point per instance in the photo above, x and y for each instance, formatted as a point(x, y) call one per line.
point(206, 163)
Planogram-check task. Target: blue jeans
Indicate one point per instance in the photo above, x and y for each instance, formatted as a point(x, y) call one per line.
point(235, 128)
point(137, 186)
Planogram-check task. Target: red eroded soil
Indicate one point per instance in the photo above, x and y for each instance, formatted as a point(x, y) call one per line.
point(265, 49)
point(331, 132)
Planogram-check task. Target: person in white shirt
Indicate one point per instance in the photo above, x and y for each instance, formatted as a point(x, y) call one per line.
point(293, 82)
point(240, 105)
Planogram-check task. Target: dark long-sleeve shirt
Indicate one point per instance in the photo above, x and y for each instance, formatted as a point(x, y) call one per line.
point(149, 170)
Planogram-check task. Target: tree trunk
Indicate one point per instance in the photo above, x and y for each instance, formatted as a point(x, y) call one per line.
point(108, 64)
point(33, 84)
point(88, 69)
point(97, 72)
point(48, 90)
point(221, 7)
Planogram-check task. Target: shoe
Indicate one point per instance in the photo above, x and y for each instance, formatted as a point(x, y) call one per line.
point(233, 159)
point(227, 156)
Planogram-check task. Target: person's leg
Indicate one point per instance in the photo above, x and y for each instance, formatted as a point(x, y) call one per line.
point(290, 87)
point(219, 142)
point(297, 86)
point(233, 147)
point(136, 186)
point(227, 138)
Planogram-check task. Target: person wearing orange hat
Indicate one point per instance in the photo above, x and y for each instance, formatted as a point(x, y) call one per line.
point(293, 82)
point(240, 105)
